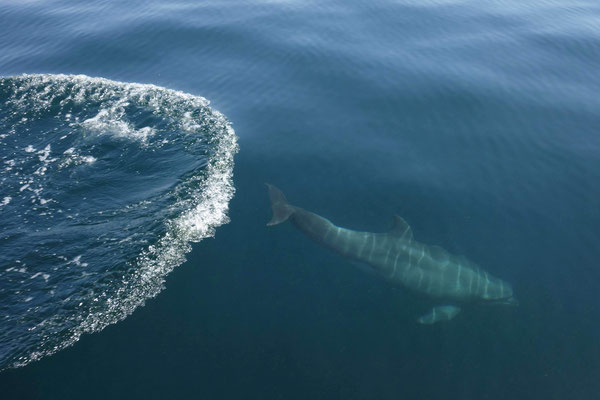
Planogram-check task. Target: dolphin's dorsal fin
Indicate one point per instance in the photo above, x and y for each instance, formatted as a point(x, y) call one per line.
point(401, 228)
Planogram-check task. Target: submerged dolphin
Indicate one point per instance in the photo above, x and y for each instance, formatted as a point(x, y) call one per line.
point(396, 256)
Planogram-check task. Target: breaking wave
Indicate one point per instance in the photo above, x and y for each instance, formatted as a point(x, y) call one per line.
point(103, 186)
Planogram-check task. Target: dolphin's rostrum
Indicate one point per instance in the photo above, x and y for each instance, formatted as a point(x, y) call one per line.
point(397, 257)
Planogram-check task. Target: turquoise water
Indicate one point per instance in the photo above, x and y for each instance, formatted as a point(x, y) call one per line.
point(476, 122)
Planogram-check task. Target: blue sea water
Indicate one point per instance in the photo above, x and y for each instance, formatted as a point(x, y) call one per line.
point(477, 122)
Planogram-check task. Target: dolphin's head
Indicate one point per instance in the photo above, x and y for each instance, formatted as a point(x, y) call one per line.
point(511, 301)
point(499, 292)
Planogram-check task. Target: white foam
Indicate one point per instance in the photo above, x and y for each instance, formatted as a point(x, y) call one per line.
point(43, 154)
point(41, 170)
point(72, 157)
point(5, 201)
point(111, 121)
point(77, 261)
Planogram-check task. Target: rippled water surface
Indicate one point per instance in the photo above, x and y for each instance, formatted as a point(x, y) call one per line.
point(477, 122)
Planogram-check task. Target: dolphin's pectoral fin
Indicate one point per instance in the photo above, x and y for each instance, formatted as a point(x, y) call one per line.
point(439, 313)
point(401, 228)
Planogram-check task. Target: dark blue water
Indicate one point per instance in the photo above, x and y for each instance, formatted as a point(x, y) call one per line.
point(477, 122)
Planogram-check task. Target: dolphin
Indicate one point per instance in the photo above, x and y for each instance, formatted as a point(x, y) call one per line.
point(401, 260)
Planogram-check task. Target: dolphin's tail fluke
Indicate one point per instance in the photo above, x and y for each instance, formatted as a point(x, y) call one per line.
point(281, 208)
